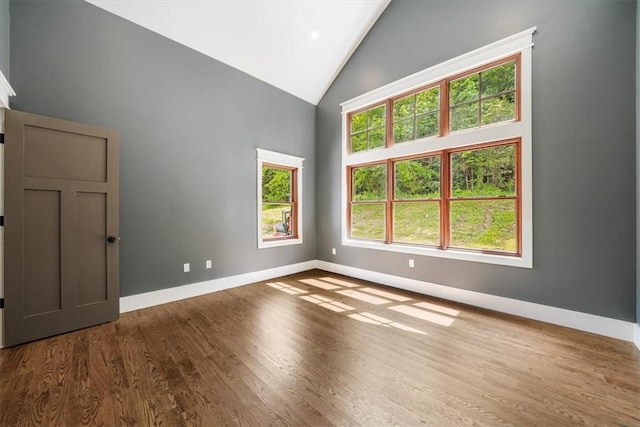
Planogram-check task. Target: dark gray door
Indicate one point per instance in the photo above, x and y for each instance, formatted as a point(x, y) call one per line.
point(61, 226)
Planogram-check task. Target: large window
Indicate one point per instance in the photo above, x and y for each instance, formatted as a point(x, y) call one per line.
point(279, 199)
point(444, 168)
point(401, 200)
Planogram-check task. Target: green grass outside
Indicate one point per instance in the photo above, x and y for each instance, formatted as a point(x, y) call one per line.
point(271, 216)
point(478, 224)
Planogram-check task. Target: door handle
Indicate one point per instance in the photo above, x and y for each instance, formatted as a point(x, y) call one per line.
point(112, 239)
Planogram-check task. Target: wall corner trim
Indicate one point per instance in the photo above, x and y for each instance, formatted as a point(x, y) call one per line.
point(637, 336)
point(177, 293)
point(5, 91)
point(600, 325)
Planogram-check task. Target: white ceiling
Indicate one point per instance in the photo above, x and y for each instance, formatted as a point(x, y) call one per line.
point(269, 39)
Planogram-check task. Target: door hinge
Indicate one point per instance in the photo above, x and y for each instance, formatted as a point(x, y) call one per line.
point(1, 302)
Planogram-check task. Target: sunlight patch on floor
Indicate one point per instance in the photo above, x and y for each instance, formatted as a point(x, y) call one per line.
point(340, 282)
point(319, 284)
point(438, 308)
point(429, 316)
point(386, 294)
point(327, 303)
point(382, 321)
point(364, 297)
point(286, 288)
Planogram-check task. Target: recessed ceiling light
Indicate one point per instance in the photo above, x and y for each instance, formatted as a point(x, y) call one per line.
point(314, 34)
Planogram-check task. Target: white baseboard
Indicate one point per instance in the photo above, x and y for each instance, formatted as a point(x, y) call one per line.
point(637, 335)
point(573, 319)
point(582, 321)
point(163, 296)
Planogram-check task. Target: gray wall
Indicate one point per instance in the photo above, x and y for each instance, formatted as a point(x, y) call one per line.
point(583, 144)
point(4, 37)
point(189, 129)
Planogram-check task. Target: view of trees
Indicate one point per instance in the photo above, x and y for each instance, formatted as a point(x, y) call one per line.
point(276, 184)
point(417, 178)
point(417, 116)
point(368, 129)
point(370, 183)
point(483, 98)
point(484, 172)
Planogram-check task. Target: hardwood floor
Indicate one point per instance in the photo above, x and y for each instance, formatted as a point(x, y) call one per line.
point(318, 349)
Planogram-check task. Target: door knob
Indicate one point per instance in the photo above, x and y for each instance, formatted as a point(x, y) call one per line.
point(112, 239)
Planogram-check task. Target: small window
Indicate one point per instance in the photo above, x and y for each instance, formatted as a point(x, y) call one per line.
point(279, 199)
point(278, 207)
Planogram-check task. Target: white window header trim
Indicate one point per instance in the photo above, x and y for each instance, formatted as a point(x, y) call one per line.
point(505, 47)
point(279, 158)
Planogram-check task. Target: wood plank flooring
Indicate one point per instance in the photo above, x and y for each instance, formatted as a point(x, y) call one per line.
point(318, 349)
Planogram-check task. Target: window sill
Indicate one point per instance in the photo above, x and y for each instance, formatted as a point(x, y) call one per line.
point(264, 244)
point(511, 261)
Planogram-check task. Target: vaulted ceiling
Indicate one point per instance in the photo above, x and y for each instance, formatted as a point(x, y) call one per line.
point(298, 46)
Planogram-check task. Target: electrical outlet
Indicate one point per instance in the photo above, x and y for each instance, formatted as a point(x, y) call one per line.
point(411, 263)
point(333, 251)
point(187, 267)
point(207, 264)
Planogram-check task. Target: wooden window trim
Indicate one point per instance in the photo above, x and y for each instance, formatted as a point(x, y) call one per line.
point(294, 200)
point(444, 109)
point(293, 164)
point(445, 199)
point(518, 125)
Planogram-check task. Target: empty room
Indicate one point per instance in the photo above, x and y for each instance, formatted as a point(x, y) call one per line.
point(319, 212)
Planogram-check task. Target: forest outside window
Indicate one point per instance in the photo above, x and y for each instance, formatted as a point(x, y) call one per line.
point(444, 168)
point(400, 201)
point(279, 199)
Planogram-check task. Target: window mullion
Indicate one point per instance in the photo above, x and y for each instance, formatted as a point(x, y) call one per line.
point(389, 203)
point(445, 191)
point(444, 108)
point(389, 124)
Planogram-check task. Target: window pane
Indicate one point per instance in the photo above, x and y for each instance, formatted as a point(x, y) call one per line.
point(276, 184)
point(403, 131)
point(499, 79)
point(359, 142)
point(428, 125)
point(368, 129)
point(370, 183)
point(368, 221)
point(277, 220)
point(484, 224)
point(499, 108)
point(428, 101)
point(359, 122)
point(417, 178)
point(403, 108)
point(464, 90)
point(464, 116)
point(484, 172)
point(376, 117)
point(417, 222)
point(376, 138)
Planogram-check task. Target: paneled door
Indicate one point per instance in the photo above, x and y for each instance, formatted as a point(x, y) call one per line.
point(61, 226)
